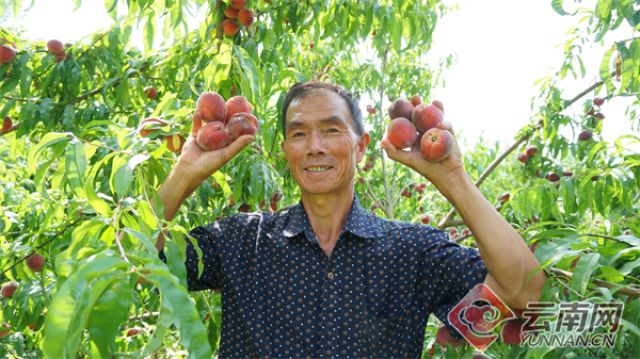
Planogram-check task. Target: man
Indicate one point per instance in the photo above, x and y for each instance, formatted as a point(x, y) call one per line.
point(325, 278)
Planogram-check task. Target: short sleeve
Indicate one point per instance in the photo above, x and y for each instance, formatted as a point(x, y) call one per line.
point(207, 238)
point(448, 272)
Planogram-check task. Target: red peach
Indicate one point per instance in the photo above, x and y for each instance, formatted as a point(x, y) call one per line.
point(522, 157)
point(211, 107)
point(402, 133)
point(151, 92)
point(55, 47)
point(246, 16)
point(416, 100)
point(406, 193)
point(134, 331)
point(371, 110)
point(553, 177)
point(400, 108)
point(599, 116)
point(591, 112)
point(150, 125)
point(504, 198)
point(229, 27)
point(212, 136)
point(7, 124)
point(242, 124)
point(237, 104)
point(231, 13)
point(598, 101)
point(531, 151)
point(425, 219)
point(438, 104)
point(436, 145)
point(5, 329)
point(426, 117)
point(367, 166)
point(35, 262)
point(8, 289)
point(7, 54)
point(585, 136)
point(238, 4)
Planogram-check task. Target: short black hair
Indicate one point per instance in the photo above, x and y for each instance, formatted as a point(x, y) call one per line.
point(301, 89)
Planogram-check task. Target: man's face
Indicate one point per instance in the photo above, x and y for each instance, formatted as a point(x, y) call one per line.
point(321, 146)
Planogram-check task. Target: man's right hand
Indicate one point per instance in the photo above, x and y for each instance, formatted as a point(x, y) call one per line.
point(198, 164)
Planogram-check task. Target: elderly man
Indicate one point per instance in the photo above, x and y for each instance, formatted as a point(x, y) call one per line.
point(326, 278)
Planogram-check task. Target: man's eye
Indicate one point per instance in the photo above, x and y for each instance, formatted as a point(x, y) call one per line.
point(297, 134)
point(333, 130)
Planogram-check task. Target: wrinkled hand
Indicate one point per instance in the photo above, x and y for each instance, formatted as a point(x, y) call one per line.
point(437, 173)
point(200, 164)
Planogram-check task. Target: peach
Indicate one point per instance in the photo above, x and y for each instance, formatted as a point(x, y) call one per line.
point(522, 157)
point(212, 136)
point(402, 133)
point(553, 177)
point(237, 104)
point(400, 108)
point(416, 100)
point(531, 151)
point(245, 17)
point(7, 54)
point(425, 219)
point(175, 143)
point(35, 262)
point(229, 27)
point(436, 145)
point(231, 13)
point(151, 92)
point(55, 47)
point(426, 117)
point(598, 101)
point(585, 136)
point(211, 107)
point(371, 110)
point(7, 124)
point(242, 124)
point(238, 4)
point(438, 104)
point(150, 125)
point(8, 289)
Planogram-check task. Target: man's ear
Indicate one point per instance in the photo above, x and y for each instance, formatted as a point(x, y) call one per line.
point(362, 145)
point(282, 149)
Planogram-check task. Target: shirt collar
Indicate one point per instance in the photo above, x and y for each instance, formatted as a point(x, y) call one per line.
point(359, 222)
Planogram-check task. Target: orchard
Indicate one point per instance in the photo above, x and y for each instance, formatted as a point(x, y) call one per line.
point(92, 128)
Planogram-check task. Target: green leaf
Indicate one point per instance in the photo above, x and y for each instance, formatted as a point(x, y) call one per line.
point(47, 140)
point(109, 311)
point(603, 9)
point(122, 173)
point(585, 267)
point(557, 6)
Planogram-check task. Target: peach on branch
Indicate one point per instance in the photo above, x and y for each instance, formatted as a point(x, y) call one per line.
point(151, 92)
point(436, 145)
point(416, 100)
point(211, 107)
point(175, 142)
point(425, 219)
point(230, 27)
point(400, 108)
point(212, 136)
point(55, 47)
point(598, 101)
point(150, 125)
point(599, 116)
point(427, 117)
point(245, 16)
point(5, 329)
point(242, 124)
point(553, 177)
point(238, 4)
point(35, 262)
point(8, 289)
point(402, 133)
point(585, 136)
point(237, 104)
point(7, 54)
point(7, 124)
point(531, 151)
point(371, 110)
point(522, 157)
point(231, 13)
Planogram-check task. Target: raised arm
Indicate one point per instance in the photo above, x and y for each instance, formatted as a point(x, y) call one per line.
point(506, 255)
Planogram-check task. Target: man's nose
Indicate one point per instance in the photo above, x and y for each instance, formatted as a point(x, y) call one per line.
point(316, 142)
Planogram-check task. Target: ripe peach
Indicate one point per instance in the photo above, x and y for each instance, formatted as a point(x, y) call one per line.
point(591, 112)
point(7, 124)
point(436, 145)
point(246, 16)
point(425, 219)
point(371, 110)
point(242, 124)
point(237, 104)
point(35, 262)
point(531, 151)
point(426, 117)
point(406, 193)
point(598, 101)
point(416, 100)
point(151, 92)
point(229, 27)
point(134, 331)
point(55, 47)
point(212, 136)
point(599, 116)
point(211, 106)
point(567, 174)
point(505, 197)
point(402, 133)
point(231, 13)
point(8, 289)
point(553, 177)
point(175, 142)
point(438, 104)
point(400, 108)
point(150, 125)
point(5, 329)
point(238, 4)
point(7, 54)
point(585, 136)
point(522, 157)
point(367, 166)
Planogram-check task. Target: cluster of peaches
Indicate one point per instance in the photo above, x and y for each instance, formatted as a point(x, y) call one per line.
point(414, 123)
point(236, 11)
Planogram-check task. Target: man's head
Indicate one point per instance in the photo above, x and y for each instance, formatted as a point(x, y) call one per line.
point(323, 141)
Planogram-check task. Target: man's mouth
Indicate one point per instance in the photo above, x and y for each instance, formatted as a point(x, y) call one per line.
point(318, 168)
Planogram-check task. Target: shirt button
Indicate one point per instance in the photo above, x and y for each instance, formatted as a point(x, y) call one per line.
point(330, 275)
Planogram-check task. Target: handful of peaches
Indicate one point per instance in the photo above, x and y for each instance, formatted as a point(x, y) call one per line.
point(413, 122)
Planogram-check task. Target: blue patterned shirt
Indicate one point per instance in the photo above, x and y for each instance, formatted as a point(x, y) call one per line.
point(283, 297)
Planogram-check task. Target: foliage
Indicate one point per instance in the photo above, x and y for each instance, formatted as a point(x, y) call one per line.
point(79, 182)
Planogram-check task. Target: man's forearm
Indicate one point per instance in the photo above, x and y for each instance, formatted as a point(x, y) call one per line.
point(506, 255)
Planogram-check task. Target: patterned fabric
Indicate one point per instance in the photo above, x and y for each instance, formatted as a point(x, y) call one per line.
point(283, 297)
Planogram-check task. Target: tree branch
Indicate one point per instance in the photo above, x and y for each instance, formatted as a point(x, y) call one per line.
point(631, 291)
